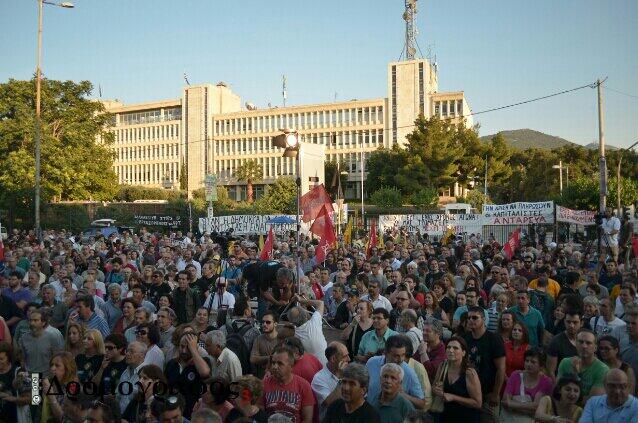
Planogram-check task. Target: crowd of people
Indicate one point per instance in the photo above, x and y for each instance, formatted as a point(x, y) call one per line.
point(174, 328)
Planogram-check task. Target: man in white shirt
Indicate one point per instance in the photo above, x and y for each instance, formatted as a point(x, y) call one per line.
point(611, 228)
point(375, 297)
point(607, 322)
point(325, 383)
point(309, 327)
point(135, 353)
point(220, 298)
point(187, 258)
point(224, 363)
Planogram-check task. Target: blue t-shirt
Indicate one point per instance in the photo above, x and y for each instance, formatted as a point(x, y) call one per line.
point(411, 384)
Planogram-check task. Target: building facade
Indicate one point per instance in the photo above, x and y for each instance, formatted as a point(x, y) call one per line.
point(207, 131)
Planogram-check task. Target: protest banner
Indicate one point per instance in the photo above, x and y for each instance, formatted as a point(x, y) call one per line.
point(518, 213)
point(432, 224)
point(577, 217)
point(248, 224)
point(158, 221)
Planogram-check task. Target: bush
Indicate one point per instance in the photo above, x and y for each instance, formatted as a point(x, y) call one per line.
point(427, 198)
point(132, 193)
point(387, 197)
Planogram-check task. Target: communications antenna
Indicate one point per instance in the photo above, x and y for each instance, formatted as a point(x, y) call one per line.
point(409, 16)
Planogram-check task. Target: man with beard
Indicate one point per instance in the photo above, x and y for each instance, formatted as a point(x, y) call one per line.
point(38, 346)
point(264, 344)
point(286, 393)
point(188, 371)
point(563, 345)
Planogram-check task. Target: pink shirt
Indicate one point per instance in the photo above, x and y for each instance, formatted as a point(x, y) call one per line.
point(287, 399)
point(544, 385)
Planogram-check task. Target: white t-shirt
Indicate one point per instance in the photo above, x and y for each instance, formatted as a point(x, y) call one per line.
point(611, 224)
point(602, 327)
point(323, 383)
point(311, 336)
point(379, 302)
point(227, 298)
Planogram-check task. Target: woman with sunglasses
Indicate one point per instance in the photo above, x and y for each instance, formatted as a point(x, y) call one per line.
point(608, 352)
point(89, 362)
point(152, 381)
point(148, 334)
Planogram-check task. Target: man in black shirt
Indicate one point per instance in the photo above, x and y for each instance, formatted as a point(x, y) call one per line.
point(113, 365)
point(563, 345)
point(158, 288)
point(487, 353)
point(352, 406)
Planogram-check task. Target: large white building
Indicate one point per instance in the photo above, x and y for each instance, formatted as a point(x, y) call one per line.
point(208, 131)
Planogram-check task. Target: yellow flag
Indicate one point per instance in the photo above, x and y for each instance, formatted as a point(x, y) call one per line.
point(380, 242)
point(447, 238)
point(347, 234)
point(261, 242)
point(231, 245)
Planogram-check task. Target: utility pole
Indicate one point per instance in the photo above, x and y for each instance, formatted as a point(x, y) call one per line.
point(485, 187)
point(601, 148)
point(38, 125)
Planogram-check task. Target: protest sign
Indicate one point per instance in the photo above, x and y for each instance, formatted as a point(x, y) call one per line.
point(248, 224)
point(432, 224)
point(577, 217)
point(518, 213)
point(157, 220)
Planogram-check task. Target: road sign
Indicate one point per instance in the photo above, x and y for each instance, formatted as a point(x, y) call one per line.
point(210, 182)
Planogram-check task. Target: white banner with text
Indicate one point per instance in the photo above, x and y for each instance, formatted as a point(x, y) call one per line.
point(518, 213)
point(577, 217)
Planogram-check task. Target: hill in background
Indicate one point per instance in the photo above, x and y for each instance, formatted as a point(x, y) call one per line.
point(522, 139)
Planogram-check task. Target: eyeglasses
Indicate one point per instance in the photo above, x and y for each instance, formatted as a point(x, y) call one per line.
point(266, 322)
point(142, 332)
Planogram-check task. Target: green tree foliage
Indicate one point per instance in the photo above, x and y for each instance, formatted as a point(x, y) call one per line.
point(74, 165)
point(133, 192)
point(331, 169)
point(581, 194)
point(382, 166)
point(183, 177)
point(280, 197)
point(386, 197)
point(499, 170)
point(425, 199)
point(475, 198)
point(249, 171)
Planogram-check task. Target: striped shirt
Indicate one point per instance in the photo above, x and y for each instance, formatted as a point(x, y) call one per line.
point(97, 322)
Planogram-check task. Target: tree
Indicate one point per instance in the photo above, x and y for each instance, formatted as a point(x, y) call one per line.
point(387, 197)
point(249, 171)
point(476, 199)
point(426, 199)
point(280, 197)
point(183, 177)
point(499, 169)
point(382, 166)
point(76, 158)
point(580, 194)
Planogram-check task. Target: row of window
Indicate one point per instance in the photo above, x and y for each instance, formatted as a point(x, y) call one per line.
point(147, 174)
point(151, 116)
point(159, 132)
point(448, 108)
point(307, 120)
point(148, 152)
point(344, 139)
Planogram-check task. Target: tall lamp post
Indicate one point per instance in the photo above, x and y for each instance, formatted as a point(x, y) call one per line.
point(618, 202)
point(38, 123)
point(560, 168)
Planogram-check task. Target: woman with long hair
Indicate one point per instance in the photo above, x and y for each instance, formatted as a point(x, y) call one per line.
point(557, 325)
point(74, 339)
point(431, 308)
point(201, 325)
point(525, 388)
point(609, 351)
point(63, 368)
point(127, 320)
point(515, 348)
point(361, 323)
point(561, 406)
point(505, 324)
point(152, 381)
point(458, 385)
point(89, 362)
point(10, 396)
point(148, 334)
point(445, 294)
point(474, 282)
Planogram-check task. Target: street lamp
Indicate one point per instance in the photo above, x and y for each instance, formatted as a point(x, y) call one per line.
point(38, 123)
point(560, 168)
point(618, 202)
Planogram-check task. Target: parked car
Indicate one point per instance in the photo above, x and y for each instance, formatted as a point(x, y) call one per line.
point(104, 227)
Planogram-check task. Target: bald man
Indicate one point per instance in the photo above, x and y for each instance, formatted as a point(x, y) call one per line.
point(616, 406)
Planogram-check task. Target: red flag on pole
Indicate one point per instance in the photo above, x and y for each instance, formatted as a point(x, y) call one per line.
point(322, 227)
point(634, 244)
point(1, 250)
point(266, 252)
point(313, 201)
point(372, 240)
point(512, 244)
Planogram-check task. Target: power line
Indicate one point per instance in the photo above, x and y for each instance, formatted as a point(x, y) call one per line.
point(622, 93)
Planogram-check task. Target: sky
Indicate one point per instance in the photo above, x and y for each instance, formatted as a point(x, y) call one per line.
point(497, 52)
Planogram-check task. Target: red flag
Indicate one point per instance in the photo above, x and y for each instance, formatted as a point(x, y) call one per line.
point(1, 250)
point(322, 226)
point(512, 244)
point(372, 241)
point(634, 244)
point(312, 202)
point(266, 252)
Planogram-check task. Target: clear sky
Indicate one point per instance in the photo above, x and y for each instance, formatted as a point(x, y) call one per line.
point(497, 51)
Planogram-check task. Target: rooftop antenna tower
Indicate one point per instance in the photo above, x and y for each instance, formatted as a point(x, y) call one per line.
point(283, 92)
point(409, 16)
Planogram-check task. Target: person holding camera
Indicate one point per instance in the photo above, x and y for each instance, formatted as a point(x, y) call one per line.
point(220, 298)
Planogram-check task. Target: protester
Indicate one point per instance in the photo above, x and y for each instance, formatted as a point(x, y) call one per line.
point(562, 405)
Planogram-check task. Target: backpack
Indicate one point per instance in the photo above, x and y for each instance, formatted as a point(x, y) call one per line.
point(236, 343)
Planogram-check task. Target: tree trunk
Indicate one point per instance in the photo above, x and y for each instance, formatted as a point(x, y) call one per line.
point(249, 190)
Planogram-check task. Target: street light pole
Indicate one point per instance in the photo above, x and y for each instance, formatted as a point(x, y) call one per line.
point(38, 121)
point(38, 124)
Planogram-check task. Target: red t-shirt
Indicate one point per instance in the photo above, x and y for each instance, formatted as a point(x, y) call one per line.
point(287, 399)
point(307, 367)
point(514, 357)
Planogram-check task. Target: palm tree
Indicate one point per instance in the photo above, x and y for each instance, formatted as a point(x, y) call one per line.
point(249, 171)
